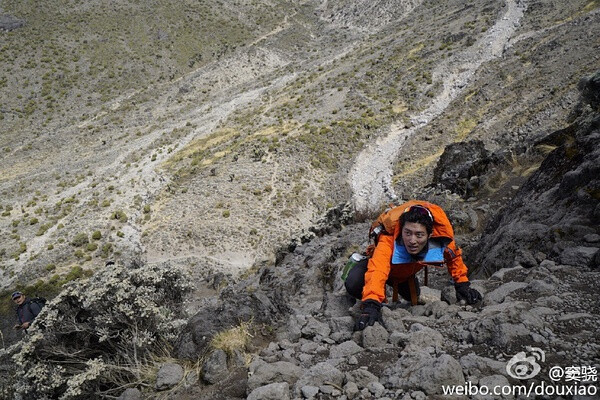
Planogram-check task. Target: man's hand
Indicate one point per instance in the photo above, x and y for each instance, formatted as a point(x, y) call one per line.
point(25, 325)
point(17, 327)
point(371, 313)
point(464, 292)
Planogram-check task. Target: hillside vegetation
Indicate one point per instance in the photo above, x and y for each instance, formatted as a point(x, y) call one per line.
point(207, 134)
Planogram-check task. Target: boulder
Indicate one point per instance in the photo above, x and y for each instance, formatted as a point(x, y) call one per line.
point(10, 23)
point(280, 371)
point(579, 256)
point(214, 368)
point(319, 375)
point(361, 377)
point(499, 294)
point(421, 371)
point(345, 349)
point(168, 376)
point(374, 336)
point(272, 391)
point(130, 394)
point(459, 166)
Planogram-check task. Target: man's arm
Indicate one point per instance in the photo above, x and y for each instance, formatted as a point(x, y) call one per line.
point(456, 266)
point(458, 270)
point(378, 270)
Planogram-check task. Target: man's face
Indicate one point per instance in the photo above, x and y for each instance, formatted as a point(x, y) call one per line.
point(414, 237)
point(19, 300)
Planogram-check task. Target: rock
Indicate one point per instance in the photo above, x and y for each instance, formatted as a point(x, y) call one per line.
point(315, 327)
point(374, 336)
point(436, 309)
point(476, 365)
point(550, 301)
point(361, 377)
point(351, 390)
point(393, 319)
point(540, 287)
point(448, 294)
point(319, 375)
point(497, 296)
point(501, 273)
point(272, 391)
point(376, 388)
point(592, 238)
point(309, 392)
point(337, 305)
point(421, 337)
point(215, 367)
point(490, 382)
point(341, 324)
point(130, 394)
point(419, 370)
point(572, 316)
point(280, 371)
point(330, 390)
point(466, 315)
point(10, 23)
point(458, 164)
point(429, 295)
point(579, 255)
point(345, 349)
point(526, 259)
point(549, 265)
point(168, 376)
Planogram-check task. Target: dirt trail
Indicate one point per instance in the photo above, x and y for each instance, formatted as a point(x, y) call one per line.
point(371, 177)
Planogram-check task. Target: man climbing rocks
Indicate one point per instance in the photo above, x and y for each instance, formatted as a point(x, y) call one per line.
point(421, 235)
point(27, 310)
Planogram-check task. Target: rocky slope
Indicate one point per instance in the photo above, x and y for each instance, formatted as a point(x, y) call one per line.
point(550, 305)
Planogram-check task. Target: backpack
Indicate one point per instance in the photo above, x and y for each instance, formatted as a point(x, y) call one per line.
point(40, 301)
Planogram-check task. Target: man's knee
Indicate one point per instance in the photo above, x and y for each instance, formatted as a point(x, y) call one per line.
point(355, 281)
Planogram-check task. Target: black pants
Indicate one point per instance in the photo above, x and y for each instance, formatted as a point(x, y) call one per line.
point(355, 281)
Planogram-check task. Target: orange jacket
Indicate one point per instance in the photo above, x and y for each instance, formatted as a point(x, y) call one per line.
point(380, 264)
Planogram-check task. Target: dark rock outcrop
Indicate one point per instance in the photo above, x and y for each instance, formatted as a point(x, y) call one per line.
point(559, 205)
point(10, 23)
point(461, 165)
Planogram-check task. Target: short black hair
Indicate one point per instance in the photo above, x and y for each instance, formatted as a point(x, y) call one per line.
point(416, 215)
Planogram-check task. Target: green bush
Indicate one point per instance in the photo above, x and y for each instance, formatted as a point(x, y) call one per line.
point(91, 246)
point(119, 215)
point(96, 235)
point(80, 239)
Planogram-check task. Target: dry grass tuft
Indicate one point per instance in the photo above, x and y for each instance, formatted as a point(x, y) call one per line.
point(233, 339)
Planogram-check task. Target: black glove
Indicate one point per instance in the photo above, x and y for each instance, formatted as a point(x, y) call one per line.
point(464, 292)
point(371, 313)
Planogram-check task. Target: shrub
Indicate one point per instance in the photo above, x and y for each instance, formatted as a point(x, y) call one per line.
point(80, 239)
point(119, 215)
point(91, 246)
point(99, 334)
point(96, 235)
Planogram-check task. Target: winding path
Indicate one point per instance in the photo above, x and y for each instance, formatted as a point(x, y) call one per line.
point(371, 177)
